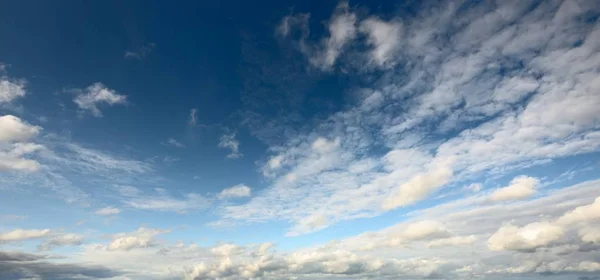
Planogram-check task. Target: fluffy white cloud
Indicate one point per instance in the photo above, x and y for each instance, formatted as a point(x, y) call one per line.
point(23, 234)
point(527, 238)
point(15, 130)
point(59, 240)
point(14, 151)
point(89, 98)
point(140, 238)
point(107, 211)
point(228, 141)
point(582, 214)
point(236, 191)
point(519, 188)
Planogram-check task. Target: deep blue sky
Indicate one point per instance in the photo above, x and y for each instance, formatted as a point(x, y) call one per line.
point(308, 139)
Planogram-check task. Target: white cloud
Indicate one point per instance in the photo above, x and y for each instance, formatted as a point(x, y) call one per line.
point(89, 98)
point(14, 151)
point(236, 191)
point(519, 188)
point(582, 214)
point(140, 238)
point(59, 240)
point(108, 211)
point(11, 89)
point(527, 238)
point(420, 186)
point(228, 141)
point(385, 37)
point(23, 234)
point(15, 130)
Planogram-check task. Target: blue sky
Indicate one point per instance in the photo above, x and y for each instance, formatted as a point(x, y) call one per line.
point(300, 140)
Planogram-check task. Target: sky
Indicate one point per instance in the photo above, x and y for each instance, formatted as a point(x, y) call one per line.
point(300, 140)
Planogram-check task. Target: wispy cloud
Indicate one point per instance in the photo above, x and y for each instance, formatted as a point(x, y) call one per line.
point(162, 201)
point(229, 141)
point(141, 52)
point(174, 143)
point(193, 119)
point(236, 191)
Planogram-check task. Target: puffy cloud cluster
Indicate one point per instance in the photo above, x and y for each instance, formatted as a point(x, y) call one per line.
point(15, 147)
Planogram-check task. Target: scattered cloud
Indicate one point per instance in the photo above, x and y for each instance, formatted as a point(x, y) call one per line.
point(140, 238)
point(141, 52)
point(60, 240)
point(519, 188)
point(14, 146)
point(9, 218)
point(89, 98)
point(23, 234)
point(236, 191)
point(108, 211)
point(11, 89)
point(228, 141)
point(174, 143)
point(162, 201)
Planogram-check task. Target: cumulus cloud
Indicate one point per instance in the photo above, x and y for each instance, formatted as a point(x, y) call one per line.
point(140, 238)
point(15, 151)
point(527, 238)
point(23, 234)
point(108, 211)
point(236, 191)
point(89, 98)
point(519, 188)
point(228, 141)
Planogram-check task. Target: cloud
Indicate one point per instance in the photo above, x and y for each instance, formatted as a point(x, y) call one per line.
point(17, 265)
point(14, 150)
point(519, 188)
point(89, 98)
point(527, 238)
point(11, 89)
point(193, 119)
point(23, 234)
point(108, 211)
point(162, 201)
point(140, 238)
point(59, 240)
point(8, 218)
point(140, 53)
point(341, 28)
point(582, 214)
point(491, 87)
point(15, 130)
point(236, 191)
point(385, 37)
point(228, 141)
point(174, 143)
point(452, 241)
